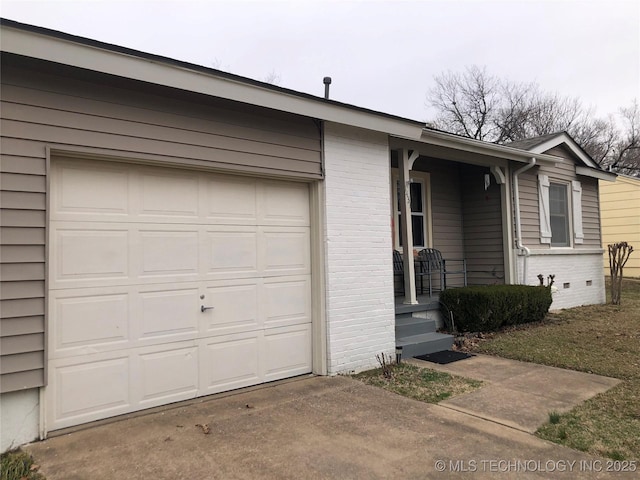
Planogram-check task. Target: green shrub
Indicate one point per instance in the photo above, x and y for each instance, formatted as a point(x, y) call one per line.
point(486, 308)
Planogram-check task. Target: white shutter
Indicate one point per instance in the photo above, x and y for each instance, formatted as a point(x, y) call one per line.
point(576, 195)
point(543, 206)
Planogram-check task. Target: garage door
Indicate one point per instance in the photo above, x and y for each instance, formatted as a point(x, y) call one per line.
point(166, 285)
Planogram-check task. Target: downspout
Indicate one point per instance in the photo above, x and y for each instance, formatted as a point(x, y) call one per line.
point(522, 250)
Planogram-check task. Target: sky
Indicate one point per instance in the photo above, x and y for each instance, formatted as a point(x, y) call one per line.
point(381, 55)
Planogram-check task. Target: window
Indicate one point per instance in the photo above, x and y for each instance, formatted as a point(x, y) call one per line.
point(560, 209)
point(559, 215)
point(419, 211)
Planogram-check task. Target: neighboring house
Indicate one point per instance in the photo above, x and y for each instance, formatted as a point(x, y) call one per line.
point(171, 231)
point(620, 212)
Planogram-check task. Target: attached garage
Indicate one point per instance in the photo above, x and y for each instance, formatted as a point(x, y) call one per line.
point(167, 284)
point(168, 232)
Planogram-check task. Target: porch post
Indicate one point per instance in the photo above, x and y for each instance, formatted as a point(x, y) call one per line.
point(507, 229)
point(407, 229)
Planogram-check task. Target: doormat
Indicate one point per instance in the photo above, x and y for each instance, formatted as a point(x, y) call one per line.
point(444, 357)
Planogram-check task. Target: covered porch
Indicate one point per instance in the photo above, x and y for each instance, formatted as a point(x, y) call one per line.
point(455, 202)
point(452, 195)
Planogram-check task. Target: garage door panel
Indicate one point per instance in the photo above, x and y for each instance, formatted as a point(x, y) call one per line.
point(168, 252)
point(173, 194)
point(286, 301)
point(231, 252)
point(83, 254)
point(235, 308)
point(283, 251)
point(167, 315)
point(287, 352)
point(229, 362)
point(167, 375)
point(89, 190)
point(89, 322)
point(283, 204)
point(230, 201)
point(136, 252)
point(90, 390)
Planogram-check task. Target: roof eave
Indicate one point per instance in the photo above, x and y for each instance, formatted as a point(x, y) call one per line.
point(49, 45)
point(491, 149)
point(596, 173)
point(570, 143)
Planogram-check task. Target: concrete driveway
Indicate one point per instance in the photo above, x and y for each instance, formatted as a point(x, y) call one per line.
point(314, 427)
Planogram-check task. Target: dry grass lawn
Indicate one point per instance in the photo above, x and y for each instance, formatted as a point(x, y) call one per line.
point(421, 384)
point(601, 339)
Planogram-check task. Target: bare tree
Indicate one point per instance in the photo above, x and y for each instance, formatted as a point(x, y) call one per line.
point(481, 106)
point(625, 155)
point(597, 137)
point(550, 112)
point(466, 102)
point(273, 78)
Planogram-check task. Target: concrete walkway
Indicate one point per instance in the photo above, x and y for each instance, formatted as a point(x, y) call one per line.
point(517, 394)
point(314, 427)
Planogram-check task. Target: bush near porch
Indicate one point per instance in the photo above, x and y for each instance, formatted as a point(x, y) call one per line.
point(487, 308)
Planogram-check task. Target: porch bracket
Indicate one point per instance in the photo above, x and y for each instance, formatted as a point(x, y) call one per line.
point(412, 158)
point(498, 174)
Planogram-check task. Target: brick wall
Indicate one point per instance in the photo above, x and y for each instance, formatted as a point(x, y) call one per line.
point(574, 269)
point(359, 283)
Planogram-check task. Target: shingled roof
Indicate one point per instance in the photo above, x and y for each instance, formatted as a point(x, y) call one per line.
point(529, 143)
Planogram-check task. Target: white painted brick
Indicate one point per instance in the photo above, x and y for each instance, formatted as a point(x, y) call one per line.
point(360, 304)
point(575, 269)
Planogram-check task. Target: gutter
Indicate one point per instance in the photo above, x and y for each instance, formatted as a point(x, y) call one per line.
point(522, 250)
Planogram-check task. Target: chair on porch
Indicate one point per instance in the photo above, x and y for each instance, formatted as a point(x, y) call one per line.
point(398, 270)
point(431, 263)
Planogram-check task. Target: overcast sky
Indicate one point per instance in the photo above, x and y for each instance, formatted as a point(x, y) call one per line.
point(381, 55)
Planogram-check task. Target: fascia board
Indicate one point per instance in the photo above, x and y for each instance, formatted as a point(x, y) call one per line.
point(595, 173)
point(560, 139)
point(67, 52)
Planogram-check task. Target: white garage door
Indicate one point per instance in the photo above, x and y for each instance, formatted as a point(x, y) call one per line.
point(167, 284)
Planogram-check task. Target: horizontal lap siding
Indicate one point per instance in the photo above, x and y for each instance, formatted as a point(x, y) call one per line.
point(565, 173)
point(65, 109)
point(482, 224)
point(22, 272)
point(620, 205)
point(446, 205)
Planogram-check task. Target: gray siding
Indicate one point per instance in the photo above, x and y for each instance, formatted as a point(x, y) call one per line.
point(446, 207)
point(566, 173)
point(482, 225)
point(46, 105)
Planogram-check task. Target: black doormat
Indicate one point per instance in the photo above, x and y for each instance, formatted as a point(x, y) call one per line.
point(444, 357)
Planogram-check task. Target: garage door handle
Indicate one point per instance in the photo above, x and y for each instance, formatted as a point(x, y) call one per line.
point(204, 309)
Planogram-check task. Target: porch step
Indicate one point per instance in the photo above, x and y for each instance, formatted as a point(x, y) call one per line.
point(424, 343)
point(425, 305)
point(407, 325)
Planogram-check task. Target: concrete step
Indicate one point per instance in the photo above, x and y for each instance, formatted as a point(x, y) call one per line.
point(408, 326)
point(422, 344)
point(431, 304)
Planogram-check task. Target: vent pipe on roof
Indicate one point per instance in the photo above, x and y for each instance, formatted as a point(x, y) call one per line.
point(327, 82)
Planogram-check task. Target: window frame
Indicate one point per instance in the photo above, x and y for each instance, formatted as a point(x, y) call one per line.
point(424, 178)
point(568, 215)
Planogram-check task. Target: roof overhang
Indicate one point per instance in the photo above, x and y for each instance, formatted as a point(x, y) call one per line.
point(564, 138)
point(437, 143)
point(58, 47)
point(491, 149)
point(595, 173)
